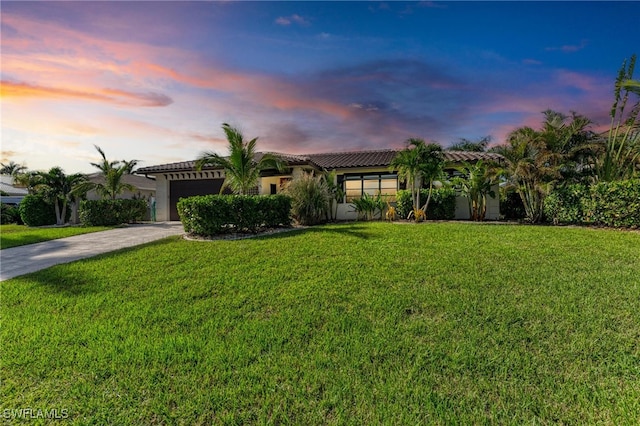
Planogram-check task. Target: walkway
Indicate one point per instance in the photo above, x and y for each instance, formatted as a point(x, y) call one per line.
point(34, 257)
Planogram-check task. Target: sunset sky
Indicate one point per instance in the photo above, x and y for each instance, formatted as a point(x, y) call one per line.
point(154, 81)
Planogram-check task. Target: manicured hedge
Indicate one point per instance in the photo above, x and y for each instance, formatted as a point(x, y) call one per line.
point(442, 205)
point(35, 211)
point(615, 204)
point(112, 212)
point(216, 214)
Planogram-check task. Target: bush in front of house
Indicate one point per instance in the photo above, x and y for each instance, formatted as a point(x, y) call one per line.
point(217, 214)
point(511, 206)
point(35, 211)
point(9, 214)
point(111, 212)
point(566, 204)
point(442, 205)
point(615, 204)
point(310, 199)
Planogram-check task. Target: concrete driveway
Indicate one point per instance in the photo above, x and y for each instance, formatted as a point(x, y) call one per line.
point(34, 257)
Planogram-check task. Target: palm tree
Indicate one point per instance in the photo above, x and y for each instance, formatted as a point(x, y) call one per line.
point(572, 142)
point(538, 159)
point(470, 146)
point(432, 168)
point(11, 168)
point(416, 164)
point(407, 164)
point(112, 172)
point(529, 167)
point(620, 154)
point(242, 171)
point(60, 189)
point(476, 183)
point(28, 180)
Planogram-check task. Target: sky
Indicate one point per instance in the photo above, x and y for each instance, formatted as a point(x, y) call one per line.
point(154, 81)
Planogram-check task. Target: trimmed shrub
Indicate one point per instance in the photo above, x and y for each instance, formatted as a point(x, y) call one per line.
point(615, 204)
point(9, 214)
point(566, 204)
point(35, 211)
point(111, 212)
point(217, 214)
point(442, 205)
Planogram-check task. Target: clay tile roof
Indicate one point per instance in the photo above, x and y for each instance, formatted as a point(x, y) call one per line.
point(332, 160)
point(336, 160)
point(290, 159)
point(458, 156)
point(170, 167)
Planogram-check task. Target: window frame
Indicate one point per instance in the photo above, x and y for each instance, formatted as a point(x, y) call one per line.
point(368, 177)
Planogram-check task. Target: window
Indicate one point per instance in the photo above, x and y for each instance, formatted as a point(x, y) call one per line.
point(372, 184)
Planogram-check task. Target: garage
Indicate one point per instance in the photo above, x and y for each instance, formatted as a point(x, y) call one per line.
point(189, 188)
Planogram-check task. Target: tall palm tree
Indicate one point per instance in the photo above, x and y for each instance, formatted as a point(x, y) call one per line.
point(60, 189)
point(11, 168)
point(112, 172)
point(242, 171)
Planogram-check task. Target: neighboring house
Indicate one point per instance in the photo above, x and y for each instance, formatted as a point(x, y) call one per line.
point(14, 195)
point(358, 172)
point(144, 187)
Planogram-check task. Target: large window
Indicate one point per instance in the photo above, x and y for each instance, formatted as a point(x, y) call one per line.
point(376, 183)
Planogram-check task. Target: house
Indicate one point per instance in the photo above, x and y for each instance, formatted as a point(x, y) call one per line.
point(358, 172)
point(145, 188)
point(10, 194)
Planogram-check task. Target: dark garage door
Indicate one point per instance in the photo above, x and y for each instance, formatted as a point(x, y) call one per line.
point(188, 188)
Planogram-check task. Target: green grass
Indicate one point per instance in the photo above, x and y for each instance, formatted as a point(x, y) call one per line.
point(360, 323)
point(20, 235)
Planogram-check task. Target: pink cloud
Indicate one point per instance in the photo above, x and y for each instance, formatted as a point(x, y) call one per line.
point(10, 89)
point(94, 61)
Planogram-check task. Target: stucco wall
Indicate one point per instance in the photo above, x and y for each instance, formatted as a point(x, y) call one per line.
point(493, 207)
point(162, 198)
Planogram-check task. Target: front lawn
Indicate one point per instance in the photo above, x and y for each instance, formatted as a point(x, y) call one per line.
point(20, 235)
point(366, 323)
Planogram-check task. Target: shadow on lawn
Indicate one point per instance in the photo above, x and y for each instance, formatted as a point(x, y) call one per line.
point(59, 280)
point(71, 281)
point(351, 229)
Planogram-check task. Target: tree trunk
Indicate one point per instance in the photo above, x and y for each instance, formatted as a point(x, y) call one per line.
point(426, 205)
